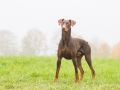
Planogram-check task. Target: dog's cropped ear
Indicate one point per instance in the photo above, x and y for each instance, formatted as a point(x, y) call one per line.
point(72, 22)
point(60, 21)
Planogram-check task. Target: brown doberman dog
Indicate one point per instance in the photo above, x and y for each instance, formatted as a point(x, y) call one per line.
point(73, 48)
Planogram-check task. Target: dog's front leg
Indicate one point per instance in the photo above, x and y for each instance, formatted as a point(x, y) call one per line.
point(57, 69)
point(76, 70)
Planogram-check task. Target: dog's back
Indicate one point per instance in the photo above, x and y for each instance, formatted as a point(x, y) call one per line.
point(81, 45)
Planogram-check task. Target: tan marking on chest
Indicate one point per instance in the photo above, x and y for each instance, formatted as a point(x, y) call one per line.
point(66, 53)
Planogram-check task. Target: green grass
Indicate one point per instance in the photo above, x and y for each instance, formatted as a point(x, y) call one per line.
point(37, 73)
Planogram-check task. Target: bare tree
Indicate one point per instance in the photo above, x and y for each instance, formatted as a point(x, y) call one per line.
point(95, 45)
point(116, 51)
point(104, 50)
point(8, 43)
point(33, 43)
point(96, 41)
point(94, 49)
point(55, 41)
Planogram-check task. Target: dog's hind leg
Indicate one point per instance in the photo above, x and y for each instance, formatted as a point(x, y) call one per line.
point(80, 65)
point(88, 59)
point(76, 70)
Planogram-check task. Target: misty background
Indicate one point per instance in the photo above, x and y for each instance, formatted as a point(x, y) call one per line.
point(30, 27)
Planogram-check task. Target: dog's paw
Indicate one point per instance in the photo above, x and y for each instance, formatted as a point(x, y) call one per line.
point(55, 80)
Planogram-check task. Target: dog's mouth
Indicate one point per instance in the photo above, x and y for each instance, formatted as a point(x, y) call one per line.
point(65, 30)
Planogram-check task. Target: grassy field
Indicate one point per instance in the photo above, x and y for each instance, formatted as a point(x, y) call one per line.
point(37, 73)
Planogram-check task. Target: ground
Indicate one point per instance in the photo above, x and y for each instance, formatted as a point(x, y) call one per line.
point(37, 73)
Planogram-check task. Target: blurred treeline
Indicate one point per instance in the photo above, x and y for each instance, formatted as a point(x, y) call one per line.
point(35, 43)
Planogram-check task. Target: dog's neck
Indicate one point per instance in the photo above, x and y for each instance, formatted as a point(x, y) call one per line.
point(66, 37)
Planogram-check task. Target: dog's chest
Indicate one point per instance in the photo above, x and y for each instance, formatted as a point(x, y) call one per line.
point(66, 53)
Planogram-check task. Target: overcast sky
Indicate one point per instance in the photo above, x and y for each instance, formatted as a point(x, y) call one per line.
point(94, 18)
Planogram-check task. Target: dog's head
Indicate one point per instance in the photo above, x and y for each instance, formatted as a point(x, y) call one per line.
point(66, 24)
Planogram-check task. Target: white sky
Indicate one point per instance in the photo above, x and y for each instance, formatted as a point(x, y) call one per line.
point(95, 18)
